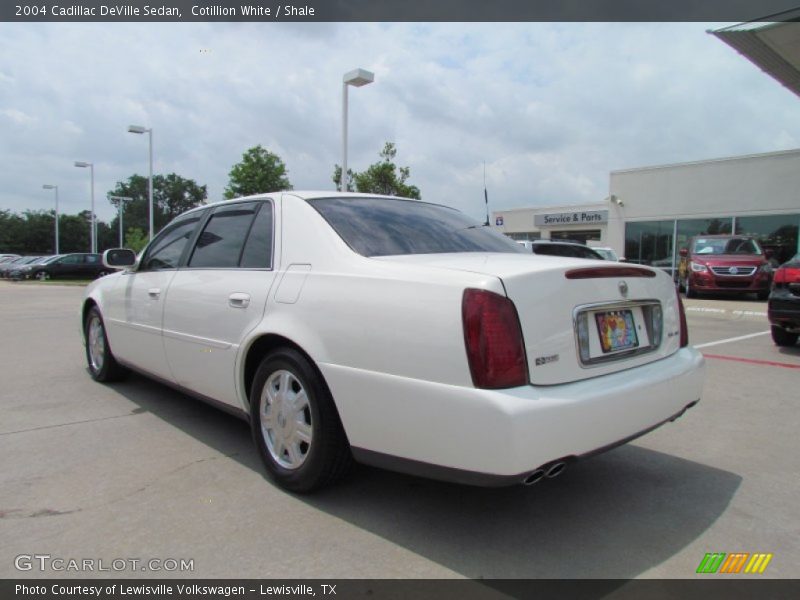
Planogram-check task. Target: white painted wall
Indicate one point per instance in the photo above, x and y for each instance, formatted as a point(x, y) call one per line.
point(727, 187)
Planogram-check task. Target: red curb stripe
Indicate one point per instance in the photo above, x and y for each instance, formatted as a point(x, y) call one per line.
point(754, 361)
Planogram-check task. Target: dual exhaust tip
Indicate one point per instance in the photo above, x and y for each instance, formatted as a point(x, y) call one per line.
point(550, 470)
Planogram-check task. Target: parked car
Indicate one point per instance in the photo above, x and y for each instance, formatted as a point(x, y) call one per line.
point(4, 258)
point(396, 333)
point(731, 264)
point(783, 308)
point(561, 248)
point(71, 266)
point(5, 269)
point(19, 272)
point(606, 253)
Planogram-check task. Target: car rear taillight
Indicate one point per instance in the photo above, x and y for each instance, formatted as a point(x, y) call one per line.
point(684, 327)
point(493, 340)
point(784, 276)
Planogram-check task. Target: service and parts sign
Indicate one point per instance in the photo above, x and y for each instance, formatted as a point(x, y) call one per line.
point(587, 217)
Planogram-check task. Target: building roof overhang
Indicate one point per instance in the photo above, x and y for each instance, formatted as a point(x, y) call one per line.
point(771, 43)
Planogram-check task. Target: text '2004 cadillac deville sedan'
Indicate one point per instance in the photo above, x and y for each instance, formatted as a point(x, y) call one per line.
point(397, 333)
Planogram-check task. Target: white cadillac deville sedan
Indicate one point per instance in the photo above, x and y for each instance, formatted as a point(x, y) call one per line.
point(396, 333)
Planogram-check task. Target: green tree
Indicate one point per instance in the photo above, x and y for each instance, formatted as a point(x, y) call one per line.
point(74, 232)
point(12, 232)
point(39, 231)
point(259, 172)
point(383, 177)
point(172, 195)
point(135, 239)
point(337, 178)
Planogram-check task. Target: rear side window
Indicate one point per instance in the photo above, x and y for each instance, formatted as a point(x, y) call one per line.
point(167, 248)
point(258, 248)
point(386, 227)
point(222, 240)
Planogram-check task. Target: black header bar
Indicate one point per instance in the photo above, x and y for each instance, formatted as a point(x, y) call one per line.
point(392, 10)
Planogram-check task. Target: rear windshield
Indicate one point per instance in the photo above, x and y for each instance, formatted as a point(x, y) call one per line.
point(725, 246)
point(388, 227)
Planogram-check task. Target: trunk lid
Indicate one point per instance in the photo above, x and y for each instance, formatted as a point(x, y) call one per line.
point(564, 304)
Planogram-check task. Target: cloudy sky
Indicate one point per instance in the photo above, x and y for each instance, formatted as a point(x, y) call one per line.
point(551, 108)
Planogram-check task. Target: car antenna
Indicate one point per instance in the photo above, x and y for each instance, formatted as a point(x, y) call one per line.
point(485, 194)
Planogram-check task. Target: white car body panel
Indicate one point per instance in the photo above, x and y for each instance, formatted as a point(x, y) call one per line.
point(509, 432)
point(133, 311)
point(387, 335)
point(204, 325)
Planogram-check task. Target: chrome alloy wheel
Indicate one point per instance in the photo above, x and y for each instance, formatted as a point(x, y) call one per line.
point(286, 423)
point(97, 343)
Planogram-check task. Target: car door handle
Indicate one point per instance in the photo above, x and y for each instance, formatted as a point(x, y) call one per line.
point(239, 300)
point(154, 292)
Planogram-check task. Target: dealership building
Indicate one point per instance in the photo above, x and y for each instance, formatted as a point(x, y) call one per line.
point(650, 212)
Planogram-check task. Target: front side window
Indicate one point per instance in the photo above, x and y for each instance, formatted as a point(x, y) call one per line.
point(387, 226)
point(221, 242)
point(167, 248)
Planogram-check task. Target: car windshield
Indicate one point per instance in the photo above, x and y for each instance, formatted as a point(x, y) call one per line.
point(388, 227)
point(726, 246)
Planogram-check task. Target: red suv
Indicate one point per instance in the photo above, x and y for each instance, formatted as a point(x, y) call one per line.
point(725, 264)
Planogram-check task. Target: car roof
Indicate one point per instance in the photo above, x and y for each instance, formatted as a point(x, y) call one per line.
point(304, 195)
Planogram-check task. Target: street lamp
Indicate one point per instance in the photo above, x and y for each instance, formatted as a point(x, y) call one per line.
point(47, 186)
point(139, 129)
point(80, 163)
point(122, 200)
point(356, 78)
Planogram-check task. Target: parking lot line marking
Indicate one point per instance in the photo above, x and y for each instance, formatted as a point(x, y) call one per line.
point(733, 339)
point(753, 361)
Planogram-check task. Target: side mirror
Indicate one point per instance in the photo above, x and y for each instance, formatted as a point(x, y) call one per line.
point(683, 252)
point(119, 258)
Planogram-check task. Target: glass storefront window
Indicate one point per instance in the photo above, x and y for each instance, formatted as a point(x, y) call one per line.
point(777, 234)
point(693, 227)
point(650, 243)
point(576, 236)
point(525, 237)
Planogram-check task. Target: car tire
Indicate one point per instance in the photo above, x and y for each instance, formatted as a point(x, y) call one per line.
point(781, 337)
point(103, 366)
point(42, 276)
point(295, 424)
point(762, 295)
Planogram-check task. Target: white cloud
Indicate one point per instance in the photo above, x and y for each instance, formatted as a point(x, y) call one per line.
point(17, 116)
point(551, 108)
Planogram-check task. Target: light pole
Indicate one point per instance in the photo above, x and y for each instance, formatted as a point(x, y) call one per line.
point(79, 163)
point(356, 78)
point(122, 200)
point(47, 186)
point(139, 129)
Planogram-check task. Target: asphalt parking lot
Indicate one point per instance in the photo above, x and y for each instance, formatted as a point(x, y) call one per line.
point(136, 470)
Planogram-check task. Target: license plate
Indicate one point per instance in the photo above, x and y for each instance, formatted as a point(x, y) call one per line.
point(617, 330)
